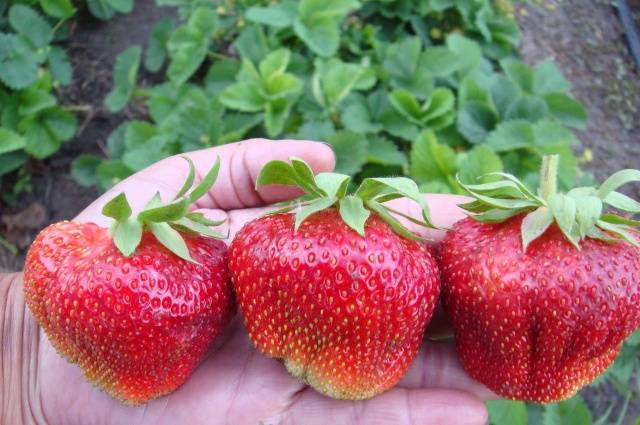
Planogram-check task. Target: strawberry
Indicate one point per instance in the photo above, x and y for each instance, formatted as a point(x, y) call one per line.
point(542, 289)
point(135, 307)
point(341, 295)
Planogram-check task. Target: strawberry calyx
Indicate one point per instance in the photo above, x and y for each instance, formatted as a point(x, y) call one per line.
point(580, 213)
point(331, 190)
point(166, 221)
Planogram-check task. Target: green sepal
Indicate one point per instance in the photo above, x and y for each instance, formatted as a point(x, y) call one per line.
point(206, 183)
point(354, 213)
point(164, 221)
point(534, 225)
point(579, 213)
point(118, 208)
point(313, 207)
point(127, 235)
point(170, 212)
point(171, 239)
point(190, 177)
point(330, 190)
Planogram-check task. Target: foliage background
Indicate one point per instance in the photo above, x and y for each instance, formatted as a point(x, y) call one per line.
point(426, 88)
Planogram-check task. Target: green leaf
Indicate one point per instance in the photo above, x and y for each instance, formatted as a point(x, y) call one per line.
point(477, 164)
point(534, 225)
point(503, 93)
point(278, 15)
point(338, 79)
point(353, 213)
point(84, 170)
point(570, 412)
point(122, 6)
point(408, 67)
point(156, 52)
point(548, 79)
point(316, 130)
point(10, 141)
point(519, 73)
point(276, 113)
point(475, 121)
point(188, 45)
point(468, 52)
point(357, 117)
point(171, 239)
point(351, 151)
point(566, 110)
point(60, 66)
point(11, 161)
point(527, 107)
point(27, 21)
point(125, 74)
point(511, 135)
point(110, 173)
point(431, 161)
point(19, 71)
point(550, 132)
point(40, 141)
point(58, 8)
point(116, 141)
point(507, 412)
point(34, 100)
point(243, 96)
point(101, 9)
point(275, 63)
point(312, 208)
point(251, 44)
point(439, 61)
point(317, 23)
point(384, 151)
point(117, 208)
point(221, 75)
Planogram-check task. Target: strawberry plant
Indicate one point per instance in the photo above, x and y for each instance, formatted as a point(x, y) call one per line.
point(396, 87)
point(33, 122)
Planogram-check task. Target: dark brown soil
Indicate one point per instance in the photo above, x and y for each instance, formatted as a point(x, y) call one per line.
point(587, 42)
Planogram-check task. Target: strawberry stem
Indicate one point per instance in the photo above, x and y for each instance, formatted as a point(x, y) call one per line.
point(549, 176)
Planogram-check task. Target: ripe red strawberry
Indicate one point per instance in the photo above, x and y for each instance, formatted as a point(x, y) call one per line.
point(136, 324)
point(335, 292)
point(542, 290)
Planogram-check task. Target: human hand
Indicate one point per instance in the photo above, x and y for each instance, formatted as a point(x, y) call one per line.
point(235, 384)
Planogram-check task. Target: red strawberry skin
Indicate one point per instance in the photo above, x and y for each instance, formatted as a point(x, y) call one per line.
point(346, 314)
point(136, 326)
point(541, 325)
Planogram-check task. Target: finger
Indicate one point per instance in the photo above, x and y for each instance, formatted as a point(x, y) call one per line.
point(437, 366)
point(444, 211)
point(240, 164)
point(398, 406)
point(238, 218)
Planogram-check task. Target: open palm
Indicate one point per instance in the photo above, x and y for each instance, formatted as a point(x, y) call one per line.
point(236, 384)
